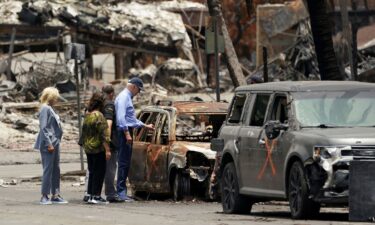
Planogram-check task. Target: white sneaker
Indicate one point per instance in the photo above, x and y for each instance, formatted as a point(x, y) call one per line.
point(92, 200)
point(45, 201)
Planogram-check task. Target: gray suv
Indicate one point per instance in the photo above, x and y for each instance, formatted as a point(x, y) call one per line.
point(293, 141)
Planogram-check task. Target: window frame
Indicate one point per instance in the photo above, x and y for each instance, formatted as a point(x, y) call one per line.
point(253, 107)
point(272, 104)
point(243, 112)
point(159, 117)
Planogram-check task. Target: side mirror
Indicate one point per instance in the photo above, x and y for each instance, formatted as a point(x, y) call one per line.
point(273, 128)
point(217, 144)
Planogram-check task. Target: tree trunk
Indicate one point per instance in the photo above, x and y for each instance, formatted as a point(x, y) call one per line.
point(321, 26)
point(234, 65)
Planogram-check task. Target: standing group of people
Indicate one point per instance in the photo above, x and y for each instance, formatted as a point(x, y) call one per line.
point(106, 139)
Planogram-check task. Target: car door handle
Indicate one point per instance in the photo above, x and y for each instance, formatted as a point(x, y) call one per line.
point(235, 146)
point(262, 141)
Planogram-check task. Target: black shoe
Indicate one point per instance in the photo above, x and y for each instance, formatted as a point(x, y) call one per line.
point(99, 200)
point(114, 199)
point(86, 198)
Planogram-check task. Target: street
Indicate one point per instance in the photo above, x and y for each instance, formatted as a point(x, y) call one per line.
point(19, 204)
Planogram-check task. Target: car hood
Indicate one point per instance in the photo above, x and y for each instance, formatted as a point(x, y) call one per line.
point(201, 147)
point(350, 132)
point(355, 135)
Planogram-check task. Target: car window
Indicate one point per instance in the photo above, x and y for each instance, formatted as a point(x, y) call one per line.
point(143, 117)
point(351, 108)
point(279, 110)
point(259, 110)
point(162, 130)
point(146, 135)
point(237, 108)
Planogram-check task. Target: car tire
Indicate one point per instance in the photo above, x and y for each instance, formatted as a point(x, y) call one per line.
point(301, 206)
point(180, 187)
point(232, 201)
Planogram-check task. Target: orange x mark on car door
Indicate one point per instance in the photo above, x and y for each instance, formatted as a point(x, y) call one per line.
point(270, 146)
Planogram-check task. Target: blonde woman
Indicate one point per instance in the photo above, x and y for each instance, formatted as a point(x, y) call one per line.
point(48, 142)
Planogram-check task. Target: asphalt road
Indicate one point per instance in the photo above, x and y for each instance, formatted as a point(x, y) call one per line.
point(19, 205)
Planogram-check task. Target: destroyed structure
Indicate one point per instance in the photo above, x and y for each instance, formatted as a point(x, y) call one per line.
point(160, 41)
point(148, 28)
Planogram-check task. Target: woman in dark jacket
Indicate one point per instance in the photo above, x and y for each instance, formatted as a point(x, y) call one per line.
point(95, 141)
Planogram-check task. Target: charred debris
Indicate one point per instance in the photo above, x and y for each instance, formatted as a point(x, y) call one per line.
point(163, 43)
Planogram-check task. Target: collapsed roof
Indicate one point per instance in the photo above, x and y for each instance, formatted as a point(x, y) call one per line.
point(143, 27)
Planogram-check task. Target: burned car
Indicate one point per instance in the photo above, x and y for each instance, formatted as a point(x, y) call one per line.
point(294, 141)
point(176, 157)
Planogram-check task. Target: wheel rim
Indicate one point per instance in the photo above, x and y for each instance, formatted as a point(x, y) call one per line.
point(295, 191)
point(229, 190)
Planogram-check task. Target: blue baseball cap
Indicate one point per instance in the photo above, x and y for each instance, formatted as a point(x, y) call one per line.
point(137, 82)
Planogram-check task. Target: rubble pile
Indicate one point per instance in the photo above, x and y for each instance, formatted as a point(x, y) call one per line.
point(298, 62)
point(19, 121)
point(178, 76)
point(366, 67)
point(174, 76)
point(147, 74)
point(40, 76)
point(284, 30)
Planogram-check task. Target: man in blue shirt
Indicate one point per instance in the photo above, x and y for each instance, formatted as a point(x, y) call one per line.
point(126, 122)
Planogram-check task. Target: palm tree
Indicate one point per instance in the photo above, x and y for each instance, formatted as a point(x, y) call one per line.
point(321, 26)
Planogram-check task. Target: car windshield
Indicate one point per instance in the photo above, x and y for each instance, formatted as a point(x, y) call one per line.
point(198, 127)
point(335, 109)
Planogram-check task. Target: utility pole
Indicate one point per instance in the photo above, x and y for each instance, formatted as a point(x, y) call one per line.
point(217, 62)
point(214, 13)
point(234, 67)
point(354, 40)
point(77, 52)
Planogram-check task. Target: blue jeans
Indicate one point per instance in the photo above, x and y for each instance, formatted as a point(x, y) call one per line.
point(124, 158)
point(51, 171)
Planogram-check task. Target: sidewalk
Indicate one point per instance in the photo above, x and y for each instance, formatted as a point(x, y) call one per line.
point(25, 171)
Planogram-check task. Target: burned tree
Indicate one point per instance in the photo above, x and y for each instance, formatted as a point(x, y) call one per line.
point(321, 26)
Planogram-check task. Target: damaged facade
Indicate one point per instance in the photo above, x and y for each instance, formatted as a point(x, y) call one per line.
point(152, 28)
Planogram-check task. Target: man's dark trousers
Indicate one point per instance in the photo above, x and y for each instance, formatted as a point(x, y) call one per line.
point(124, 159)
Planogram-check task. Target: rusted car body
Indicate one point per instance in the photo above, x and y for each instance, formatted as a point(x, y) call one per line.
point(176, 157)
point(293, 141)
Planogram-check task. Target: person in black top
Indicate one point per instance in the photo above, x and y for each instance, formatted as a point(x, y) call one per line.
point(109, 113)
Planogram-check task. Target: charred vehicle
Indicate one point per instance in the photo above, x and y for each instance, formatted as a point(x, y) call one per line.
point(295, 141)
point(176, 157)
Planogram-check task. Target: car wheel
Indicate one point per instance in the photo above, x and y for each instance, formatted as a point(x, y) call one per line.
point(300, 205)
point(232, 201)
point(181, 186)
